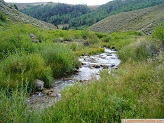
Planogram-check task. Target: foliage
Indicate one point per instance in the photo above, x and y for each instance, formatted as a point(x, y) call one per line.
point(22, 68)
point(23, 60)
point(112, 8)
point(80, 16)
point(131, 91)
point(159, 32)
point(118, 40)
point(2, 17)
point(13, 107)
point(56, 14)
point(15, 7)
point(59, 57)
point(138, 51)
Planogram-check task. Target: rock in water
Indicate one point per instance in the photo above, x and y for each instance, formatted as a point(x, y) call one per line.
point(39, 85)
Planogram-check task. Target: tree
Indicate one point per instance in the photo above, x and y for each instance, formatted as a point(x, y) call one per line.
point(15, 7)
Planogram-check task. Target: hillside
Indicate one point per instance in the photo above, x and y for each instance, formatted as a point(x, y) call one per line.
point(56, 13)
point(14, 15)
point(143, 19)
point(29, 5)
point(112, 8)
point(81, 16)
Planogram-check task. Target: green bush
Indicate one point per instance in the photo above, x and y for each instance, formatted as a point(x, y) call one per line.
point(159, 32)
point(74, 46)
point(3, 17)
point(19, 69)
point(59, 57)
point(15, 40)
point(137, 51)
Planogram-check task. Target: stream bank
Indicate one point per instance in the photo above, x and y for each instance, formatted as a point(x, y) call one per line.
point(90, 68)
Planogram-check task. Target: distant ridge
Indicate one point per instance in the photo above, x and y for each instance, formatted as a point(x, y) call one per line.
point(28, 5)
point(143, 20)
point(14, 15)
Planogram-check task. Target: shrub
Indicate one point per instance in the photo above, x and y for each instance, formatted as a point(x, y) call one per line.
point(14, 40)
point(92, 39)
point(74, 46)
point(121, 39)
point(106, 39)
point(18, 69)
point(159, 32)
point(137, 51)
point(59, 57)
point(3, 17)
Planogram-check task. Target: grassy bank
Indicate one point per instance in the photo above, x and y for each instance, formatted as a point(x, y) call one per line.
point(135, 90)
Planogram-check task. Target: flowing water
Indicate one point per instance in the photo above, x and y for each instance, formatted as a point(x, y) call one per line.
point(90, 68)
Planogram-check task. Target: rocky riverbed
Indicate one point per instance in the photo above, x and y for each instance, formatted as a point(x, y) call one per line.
point(90, 68)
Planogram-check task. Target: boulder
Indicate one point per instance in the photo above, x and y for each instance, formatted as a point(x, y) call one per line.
point(39, 85)
point(94, 65)
point(35, 40)
point(52, 92)
point(32, 36)
point(104, 66)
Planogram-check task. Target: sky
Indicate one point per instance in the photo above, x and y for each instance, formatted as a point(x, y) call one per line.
point(88, 2)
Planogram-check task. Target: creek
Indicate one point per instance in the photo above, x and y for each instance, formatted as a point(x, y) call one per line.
point(90, 68)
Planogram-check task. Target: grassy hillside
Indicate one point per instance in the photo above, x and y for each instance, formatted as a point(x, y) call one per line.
point(112, 8)
point(143, 20)
point(15, 15)
point(29, 5)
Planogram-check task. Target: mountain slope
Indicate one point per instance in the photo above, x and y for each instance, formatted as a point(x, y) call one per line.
point(56, 13)
point(112, 8)
point(82, 15)
point(143, 19)
point(15, 15)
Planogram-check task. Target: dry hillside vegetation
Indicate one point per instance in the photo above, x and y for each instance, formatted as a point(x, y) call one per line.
point(143, 19)
point(17, 16)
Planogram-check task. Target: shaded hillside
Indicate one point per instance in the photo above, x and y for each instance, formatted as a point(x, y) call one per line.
point(143, 19)
point(15, 15)
point(112, 8)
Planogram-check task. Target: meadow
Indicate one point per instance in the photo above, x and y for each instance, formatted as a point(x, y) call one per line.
point(134, 90)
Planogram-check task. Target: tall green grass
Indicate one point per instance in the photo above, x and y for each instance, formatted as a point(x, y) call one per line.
point(139, 50)
point(22, 59)
point(14, 108)
point(59, 57)
point(19, 68)
point(135, 90)
point(159, 32)
point(118, 40)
